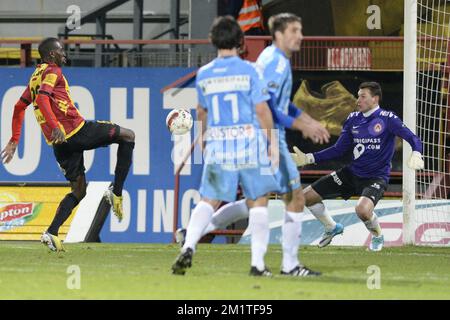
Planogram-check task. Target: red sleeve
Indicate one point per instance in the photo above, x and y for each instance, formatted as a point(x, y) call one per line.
point(43, 102)
point(50, 77)
point(19, 113)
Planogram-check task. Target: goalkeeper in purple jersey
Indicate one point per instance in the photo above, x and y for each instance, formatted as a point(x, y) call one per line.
point(369, 135)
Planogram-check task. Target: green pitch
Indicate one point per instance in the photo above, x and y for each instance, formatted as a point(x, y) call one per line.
point(142, 271)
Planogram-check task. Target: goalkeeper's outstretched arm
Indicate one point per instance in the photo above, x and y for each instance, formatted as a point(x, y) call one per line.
point(338, 150)
point(398, 128)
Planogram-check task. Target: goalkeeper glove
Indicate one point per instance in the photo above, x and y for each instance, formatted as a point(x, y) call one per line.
point(301, 158)
point(415, 161)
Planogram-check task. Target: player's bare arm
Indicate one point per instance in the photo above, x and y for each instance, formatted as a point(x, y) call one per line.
point(311, 129)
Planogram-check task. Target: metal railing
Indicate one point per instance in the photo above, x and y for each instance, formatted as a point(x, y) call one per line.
point(316, 54)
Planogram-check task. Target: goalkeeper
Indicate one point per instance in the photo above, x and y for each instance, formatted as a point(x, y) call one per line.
point(370, 135)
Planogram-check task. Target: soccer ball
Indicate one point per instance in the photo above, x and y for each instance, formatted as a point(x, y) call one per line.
point(179, 121)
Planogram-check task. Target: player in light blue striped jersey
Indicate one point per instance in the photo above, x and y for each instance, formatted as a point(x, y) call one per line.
point(232, 109)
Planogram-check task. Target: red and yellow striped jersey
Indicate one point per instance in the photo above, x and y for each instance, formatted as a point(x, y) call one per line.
point(48, 80)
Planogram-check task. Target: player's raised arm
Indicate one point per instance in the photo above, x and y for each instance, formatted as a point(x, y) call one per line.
point(19, 112)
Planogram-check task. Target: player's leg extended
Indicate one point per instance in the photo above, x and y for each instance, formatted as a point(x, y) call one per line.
point(336, 184)
point(70, 201)
point(95, 134)
point(228, 214)
point(364, 210)
point(315, 204)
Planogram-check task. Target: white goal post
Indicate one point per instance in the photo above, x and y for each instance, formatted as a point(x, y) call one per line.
point(426, 194)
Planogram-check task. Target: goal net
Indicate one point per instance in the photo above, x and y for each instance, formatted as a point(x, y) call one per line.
point(427, 193)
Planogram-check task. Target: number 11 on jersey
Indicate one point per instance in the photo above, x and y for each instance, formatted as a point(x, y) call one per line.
point(232, 97)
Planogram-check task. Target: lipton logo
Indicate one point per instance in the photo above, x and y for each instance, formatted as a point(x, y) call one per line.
point(15, 211)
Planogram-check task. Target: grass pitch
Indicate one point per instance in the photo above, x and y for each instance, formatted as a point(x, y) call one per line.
point(142, 271)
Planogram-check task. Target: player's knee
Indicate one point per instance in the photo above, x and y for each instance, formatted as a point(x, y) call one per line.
point(363, 211)
point(80, 191)
point(309, 202)
point(126, 135)
point(310, 198)
point(298, 200)
point(130, 136)
point(81, 194)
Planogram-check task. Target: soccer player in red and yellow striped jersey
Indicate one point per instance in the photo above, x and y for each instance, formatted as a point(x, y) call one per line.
point(49, 93)
point(65, 129)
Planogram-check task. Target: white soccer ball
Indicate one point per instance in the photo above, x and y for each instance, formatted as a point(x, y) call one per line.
point(179, 121)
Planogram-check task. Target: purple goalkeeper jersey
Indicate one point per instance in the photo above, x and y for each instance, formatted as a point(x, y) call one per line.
point(372, 141)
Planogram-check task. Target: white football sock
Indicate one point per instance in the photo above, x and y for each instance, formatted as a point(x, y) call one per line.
point(259, 228)
point(228, 214)
point(291, 231)
point(373, 225)
point(200, 218)
point(209, 228)
point(321, 213)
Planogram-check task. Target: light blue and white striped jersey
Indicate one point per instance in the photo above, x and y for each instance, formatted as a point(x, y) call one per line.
point(277, 76)
point(229, 89)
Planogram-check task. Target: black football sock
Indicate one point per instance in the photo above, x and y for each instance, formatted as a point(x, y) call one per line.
point(63, 212)
point(124, 156)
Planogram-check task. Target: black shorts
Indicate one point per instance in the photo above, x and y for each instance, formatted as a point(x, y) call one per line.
point(343, 183)
point(92, 135)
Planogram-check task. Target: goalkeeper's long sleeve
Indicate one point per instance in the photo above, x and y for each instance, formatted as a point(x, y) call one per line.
point(339, 149)
point(371, 140)
point(398, 128)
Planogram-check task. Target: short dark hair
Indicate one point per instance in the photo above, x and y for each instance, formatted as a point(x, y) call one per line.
point(47, 45)
point(374, 88)
point(225, 33)
point(279, 22)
